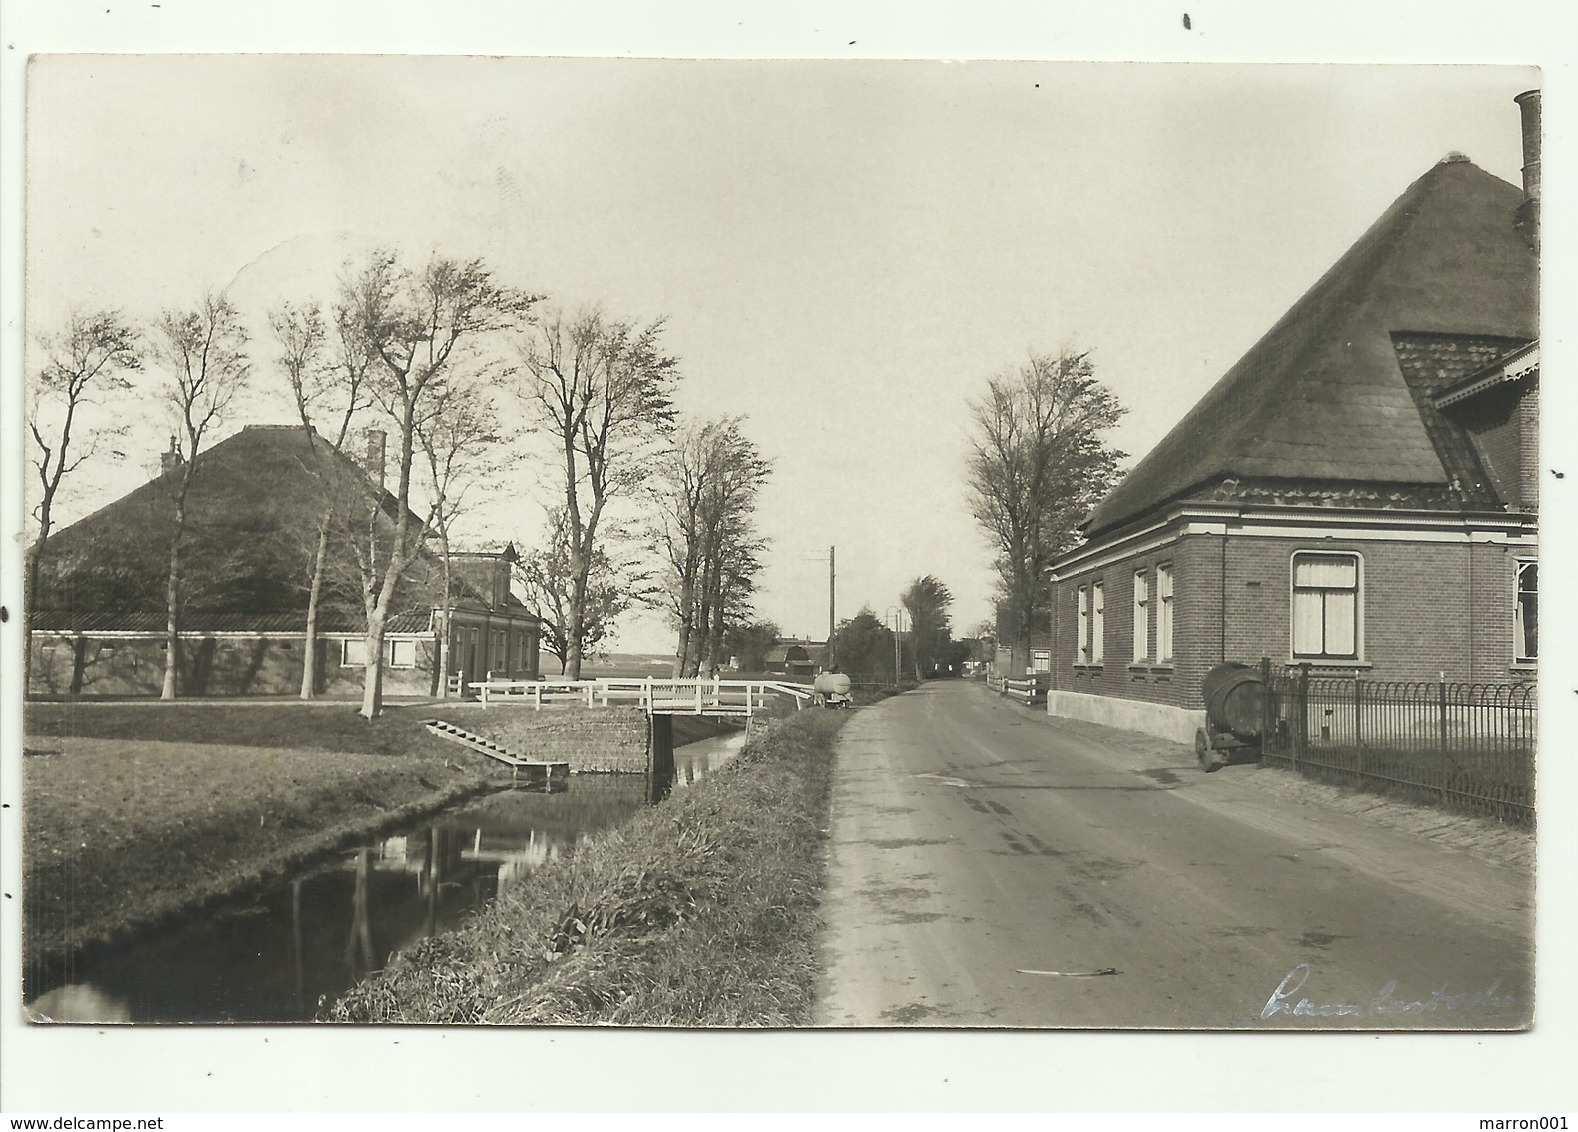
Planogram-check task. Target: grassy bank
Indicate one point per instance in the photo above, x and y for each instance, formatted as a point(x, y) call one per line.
point(317, 726)
point(120, 833)
point(701, 911)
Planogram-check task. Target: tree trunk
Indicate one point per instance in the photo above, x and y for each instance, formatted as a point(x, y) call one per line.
point(172, 592)
point(29, 598)
point(309, 660)
point(443, 648)
point(373, 680)
point(577, 628)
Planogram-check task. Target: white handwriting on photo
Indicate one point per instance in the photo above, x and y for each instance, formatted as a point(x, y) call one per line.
point(1285, 1000)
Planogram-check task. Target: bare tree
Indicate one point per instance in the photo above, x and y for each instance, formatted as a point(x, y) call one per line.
point(335, 385)
point(413, 326)
point(87, 360)
point(202, 351)
point(706, 535)
point(927, 601)
point(601, 389)
point(548, 587)
point(1039, 462)
point(456, 439)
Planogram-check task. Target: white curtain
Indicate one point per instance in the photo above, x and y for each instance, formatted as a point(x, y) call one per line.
point(1308, 624)
point(1326, 571)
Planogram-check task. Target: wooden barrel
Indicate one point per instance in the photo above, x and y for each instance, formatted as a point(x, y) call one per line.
point(1235, 700)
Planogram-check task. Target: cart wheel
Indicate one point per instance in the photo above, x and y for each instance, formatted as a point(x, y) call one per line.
point(1203, 752)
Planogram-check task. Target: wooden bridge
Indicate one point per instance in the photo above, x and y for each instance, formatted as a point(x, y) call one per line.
point(735, 698)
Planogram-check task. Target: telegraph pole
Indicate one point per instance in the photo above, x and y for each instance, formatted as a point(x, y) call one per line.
point(831, 575)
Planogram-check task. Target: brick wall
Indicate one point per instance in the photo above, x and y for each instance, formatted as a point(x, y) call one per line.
point(1428, 609)
point(1529, 446)
point(590, 739)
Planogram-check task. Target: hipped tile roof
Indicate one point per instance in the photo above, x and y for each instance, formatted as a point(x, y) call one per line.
point(1323, 396)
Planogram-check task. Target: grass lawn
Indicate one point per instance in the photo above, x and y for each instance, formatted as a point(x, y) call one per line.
point(701, 911)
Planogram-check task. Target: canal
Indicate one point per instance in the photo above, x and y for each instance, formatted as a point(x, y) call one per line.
point(281, 953)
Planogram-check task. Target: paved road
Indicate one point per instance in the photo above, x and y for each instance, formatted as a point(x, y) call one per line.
point(988, 863)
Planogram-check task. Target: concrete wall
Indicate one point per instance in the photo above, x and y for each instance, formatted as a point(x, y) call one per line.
point(1161, 720)
point(589, 739)
point(209, 666)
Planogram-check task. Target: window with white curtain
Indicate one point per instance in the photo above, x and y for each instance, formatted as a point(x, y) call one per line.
point(1097, 624)
point(1326, 606)
point(1082, 624)
point(1142, 615)
point(1164, 613)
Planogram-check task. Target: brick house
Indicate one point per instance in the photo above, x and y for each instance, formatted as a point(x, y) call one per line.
point(99, 625)
point(1359, 492)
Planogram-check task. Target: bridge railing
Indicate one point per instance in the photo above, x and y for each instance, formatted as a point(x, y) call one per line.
point(695, 696)
point(1032, 690)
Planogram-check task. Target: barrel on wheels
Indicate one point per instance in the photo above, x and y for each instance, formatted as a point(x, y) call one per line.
point(1235, 713)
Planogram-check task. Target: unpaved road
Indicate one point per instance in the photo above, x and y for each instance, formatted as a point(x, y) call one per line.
point(990, 866)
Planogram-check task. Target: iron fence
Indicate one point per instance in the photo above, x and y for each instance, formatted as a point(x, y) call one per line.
point(1469, 747)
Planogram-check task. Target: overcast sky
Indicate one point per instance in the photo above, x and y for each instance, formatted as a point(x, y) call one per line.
point(844, 251)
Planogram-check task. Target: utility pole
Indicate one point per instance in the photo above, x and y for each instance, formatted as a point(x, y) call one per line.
point(831, 575)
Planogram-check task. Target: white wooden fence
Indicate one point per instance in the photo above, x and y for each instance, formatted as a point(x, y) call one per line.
point(743, 698)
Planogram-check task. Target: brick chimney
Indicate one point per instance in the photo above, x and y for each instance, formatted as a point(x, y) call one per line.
point(373, 462)
point(171, 460)
point(1529, 211)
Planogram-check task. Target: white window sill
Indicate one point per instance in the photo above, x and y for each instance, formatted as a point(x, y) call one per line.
point(1331, 662)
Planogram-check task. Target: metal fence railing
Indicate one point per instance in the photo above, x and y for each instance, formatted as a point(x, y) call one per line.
point(1468, 747)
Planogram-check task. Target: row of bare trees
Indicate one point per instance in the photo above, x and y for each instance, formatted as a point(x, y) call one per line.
point(432, 357)
point(707, 534)
point(1039, 462)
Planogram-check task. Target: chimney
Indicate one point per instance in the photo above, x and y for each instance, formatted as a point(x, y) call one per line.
point(1529, 211)
point(373, 463)
point(170, 460)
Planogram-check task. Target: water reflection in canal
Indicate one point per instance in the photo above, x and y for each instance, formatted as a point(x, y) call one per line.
point(273, 956)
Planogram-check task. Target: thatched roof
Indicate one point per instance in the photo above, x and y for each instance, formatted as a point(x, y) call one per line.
point(1324, 395)
point(253, 515)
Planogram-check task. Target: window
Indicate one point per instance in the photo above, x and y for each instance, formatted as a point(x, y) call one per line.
point(1142, 615)
point(402, 654)
point(1097, 625)
point(1164, 613)
point(353, 653)
point(1525, 618)
point(1326, 606)
point(1083, 625)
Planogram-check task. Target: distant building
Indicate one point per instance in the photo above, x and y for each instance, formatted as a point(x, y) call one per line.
point(1358, 493)
point(791, 657)
point(254, 509)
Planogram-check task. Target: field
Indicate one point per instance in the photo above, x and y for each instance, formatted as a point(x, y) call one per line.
point(134, 810)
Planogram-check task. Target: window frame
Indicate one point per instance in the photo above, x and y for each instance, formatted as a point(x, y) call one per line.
point(1519, 634)
point(1082, 626)
point(1141, 610)
point(393, 663)
point(346, 660)
point(1164, 613)
point(1357, 655)
point(1098, 624)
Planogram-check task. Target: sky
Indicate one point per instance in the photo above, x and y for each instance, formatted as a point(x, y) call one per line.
point(844, 251)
